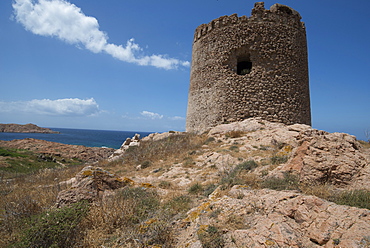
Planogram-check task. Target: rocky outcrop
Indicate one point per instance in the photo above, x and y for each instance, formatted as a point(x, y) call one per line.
point(53, 149)
point(93, 183)
point(316, 156)
point(89, 184)
point(129, 142)
point(248, 215)
point(159, 136)
point(28, 128)
point(268, 218)
point(334, 158)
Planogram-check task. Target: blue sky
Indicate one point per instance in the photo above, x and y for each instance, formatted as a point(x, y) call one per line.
point(124, 65)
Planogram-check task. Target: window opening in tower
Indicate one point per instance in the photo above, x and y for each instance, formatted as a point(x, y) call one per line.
point(244, 67)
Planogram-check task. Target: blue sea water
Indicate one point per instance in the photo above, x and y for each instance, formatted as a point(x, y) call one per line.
point(85, 137)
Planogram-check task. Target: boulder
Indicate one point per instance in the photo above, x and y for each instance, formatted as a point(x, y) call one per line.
point(89, 184)
point(334, 158)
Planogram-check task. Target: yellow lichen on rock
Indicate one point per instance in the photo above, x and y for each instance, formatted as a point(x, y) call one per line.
point(147, 185)
point(285, 151)
point(87, 173)
point(195, 214)
point(215, 194)
point(126, 180)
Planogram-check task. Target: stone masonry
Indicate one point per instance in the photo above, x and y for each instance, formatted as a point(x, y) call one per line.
point(245, 67)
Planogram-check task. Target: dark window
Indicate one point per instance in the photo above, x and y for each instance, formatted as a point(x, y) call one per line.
point(244, 67)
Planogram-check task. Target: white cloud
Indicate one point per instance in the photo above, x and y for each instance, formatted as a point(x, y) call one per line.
point(176, 118)
point(151, 115)
point(63, 107)
point(67, 22)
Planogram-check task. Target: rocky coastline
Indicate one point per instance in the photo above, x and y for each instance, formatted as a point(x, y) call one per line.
point(27, 128)
point(54, 149)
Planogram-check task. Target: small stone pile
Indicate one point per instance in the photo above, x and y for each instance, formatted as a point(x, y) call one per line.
point(129, 142)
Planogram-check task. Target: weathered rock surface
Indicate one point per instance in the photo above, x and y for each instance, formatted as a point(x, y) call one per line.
point(87, 154)
point(27, 128)
point(334, 158)
point(159, 136)
point(89, 184)
point(316, 156)
point(129, 142)
point(268, 218)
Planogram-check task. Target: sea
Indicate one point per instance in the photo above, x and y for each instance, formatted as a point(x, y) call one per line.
point(85, 137)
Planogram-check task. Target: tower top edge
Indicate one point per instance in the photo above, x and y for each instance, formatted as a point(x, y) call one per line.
point(277, 13)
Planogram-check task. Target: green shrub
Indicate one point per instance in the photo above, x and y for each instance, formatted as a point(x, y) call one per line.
point(279, 159)
point(6, 152)
point(234, 148)
point(146, 164)
point(209, 140)
point(211, 237)
point(247, 165)
point(232, 178)
point(195, 188)
point(264, 148)
point(19, 162)
point(288, 182)
point(178, 205)
point(140, 203)
point(54, 228)
point(209, 189)
point(354, 198)
point(165, 184)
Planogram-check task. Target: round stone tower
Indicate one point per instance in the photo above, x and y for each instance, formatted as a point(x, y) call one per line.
point(250, 67)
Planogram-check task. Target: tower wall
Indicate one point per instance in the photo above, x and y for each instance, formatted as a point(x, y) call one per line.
point(249, 67)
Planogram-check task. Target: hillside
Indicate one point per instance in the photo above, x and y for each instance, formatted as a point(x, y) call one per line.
point(55, 150)
point(244, 184)
point(27, 128)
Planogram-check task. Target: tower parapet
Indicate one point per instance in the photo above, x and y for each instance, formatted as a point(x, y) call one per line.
point(246, 67)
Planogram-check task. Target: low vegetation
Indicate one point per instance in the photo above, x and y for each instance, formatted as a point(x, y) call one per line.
point(210, 237)
point(53, 228)
point(168, 149)
point(16, 162)
point(288, 182)
point(135, 216)
point(26, 198)
point(238, 174)
point(354, 198)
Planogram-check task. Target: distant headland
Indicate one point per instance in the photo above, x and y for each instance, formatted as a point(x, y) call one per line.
point(27, 128)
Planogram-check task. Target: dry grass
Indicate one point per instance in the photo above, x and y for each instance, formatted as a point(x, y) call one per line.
point(162, 153)
point(365, 144)
point(324, 191)
point(210, 237)
point(235, 134)
point(26, 196)
point(134, 217)
point(166, 149)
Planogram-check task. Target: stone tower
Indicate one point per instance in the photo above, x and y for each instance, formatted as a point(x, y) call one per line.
point(250, 67)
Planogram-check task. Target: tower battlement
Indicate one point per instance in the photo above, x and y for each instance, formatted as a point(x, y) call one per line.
point(277, 13)
point(246, 67)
